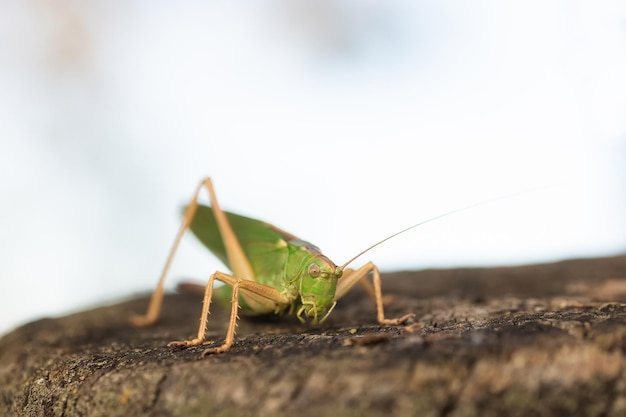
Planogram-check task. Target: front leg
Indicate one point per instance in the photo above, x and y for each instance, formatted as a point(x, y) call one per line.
point(230, 333)
point(351, 277)
point(206, 304)
point(264, 295)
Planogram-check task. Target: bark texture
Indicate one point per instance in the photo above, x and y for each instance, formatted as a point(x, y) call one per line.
point(540, 340)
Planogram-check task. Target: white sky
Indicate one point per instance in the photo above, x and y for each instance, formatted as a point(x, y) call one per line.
point(340, 121)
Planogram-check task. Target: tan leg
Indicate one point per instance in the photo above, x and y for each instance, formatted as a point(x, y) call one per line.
point(351, 277)
point(270, 296)
point(237, 259)
point(369, 288)
point(232, 324)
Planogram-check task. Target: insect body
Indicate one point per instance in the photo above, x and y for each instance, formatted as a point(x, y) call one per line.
point(307, 278)
point(273, 271)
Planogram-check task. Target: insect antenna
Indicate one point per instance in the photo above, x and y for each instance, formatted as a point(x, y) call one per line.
point(448, 213)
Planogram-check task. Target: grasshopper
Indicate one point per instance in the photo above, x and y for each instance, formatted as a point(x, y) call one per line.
point(273, 271)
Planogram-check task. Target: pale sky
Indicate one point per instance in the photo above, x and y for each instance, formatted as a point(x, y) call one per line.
point(340, 121)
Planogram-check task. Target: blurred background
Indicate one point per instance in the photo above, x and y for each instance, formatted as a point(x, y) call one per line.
point(341, 121)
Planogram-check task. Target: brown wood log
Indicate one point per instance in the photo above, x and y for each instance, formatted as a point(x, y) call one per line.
point(539, 340)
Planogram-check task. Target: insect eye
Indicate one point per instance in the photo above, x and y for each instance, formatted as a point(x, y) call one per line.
point(314, 270)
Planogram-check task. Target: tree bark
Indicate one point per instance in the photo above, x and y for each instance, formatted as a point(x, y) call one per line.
point(540, 340)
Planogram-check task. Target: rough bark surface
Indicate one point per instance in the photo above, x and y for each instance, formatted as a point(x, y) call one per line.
point(540, 340)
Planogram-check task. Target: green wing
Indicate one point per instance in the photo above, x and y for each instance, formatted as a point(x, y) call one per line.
point(264, 245)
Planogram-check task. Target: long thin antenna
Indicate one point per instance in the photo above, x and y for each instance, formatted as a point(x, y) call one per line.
point(457, 210)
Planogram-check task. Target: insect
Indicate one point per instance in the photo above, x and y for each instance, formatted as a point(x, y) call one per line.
point(273, 271)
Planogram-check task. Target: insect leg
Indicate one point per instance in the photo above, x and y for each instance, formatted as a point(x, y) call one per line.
point(206, 304)
point(232, 324)
point(237, 259)
point(154, 308)
point(351, 277)
point(369, 288)
point(267, 295)
point(270, 297)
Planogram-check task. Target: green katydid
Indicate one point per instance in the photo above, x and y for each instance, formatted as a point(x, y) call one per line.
point(273, 271)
